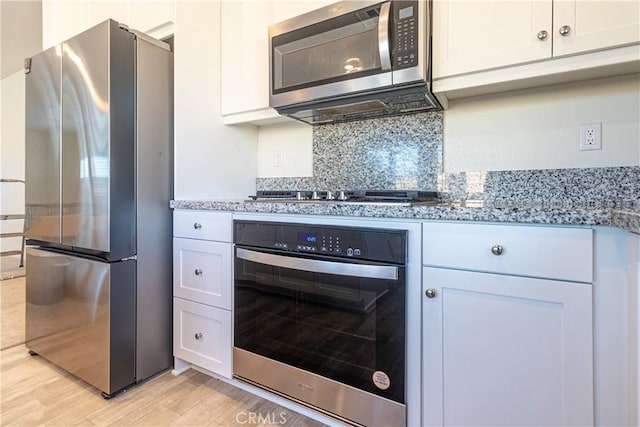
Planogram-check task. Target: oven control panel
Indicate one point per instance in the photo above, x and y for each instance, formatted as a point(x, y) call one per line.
point(338, 241)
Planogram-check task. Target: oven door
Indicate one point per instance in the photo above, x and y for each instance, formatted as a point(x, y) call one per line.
point(342, 48)
point(341, 320)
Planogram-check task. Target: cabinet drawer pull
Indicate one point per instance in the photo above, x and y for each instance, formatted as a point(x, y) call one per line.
point(497, 249)
point(198, 272)
point(197, 225)
point(542, 35)
point(430, 293)
point(198, 335)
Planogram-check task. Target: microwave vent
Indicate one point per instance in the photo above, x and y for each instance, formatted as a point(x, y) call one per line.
point(356, 108)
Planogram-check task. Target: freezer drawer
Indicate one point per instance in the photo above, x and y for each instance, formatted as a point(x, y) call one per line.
point(80, 315)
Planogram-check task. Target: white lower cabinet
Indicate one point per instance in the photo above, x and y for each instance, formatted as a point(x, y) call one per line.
point(201, 271)
point(202, 290)
point(505, 350)
point(501, 348)
point(202, 335)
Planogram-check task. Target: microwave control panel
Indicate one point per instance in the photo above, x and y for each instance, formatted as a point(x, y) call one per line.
point(405, 34)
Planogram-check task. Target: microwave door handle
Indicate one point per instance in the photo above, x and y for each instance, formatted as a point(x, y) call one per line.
point(383, 36)
point(317, 266)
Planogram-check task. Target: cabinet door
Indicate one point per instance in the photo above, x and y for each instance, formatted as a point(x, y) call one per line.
point(101, 10)
point(62, 20)
point(477, 35)
point(245, 56)
point(286, 9)
point(506, 350)
point(202, 335)
point(245, 53)
point(202, 272)
point(148, 15)
point(594, 25)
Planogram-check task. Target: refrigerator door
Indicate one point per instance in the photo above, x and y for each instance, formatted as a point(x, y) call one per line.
point(98, 141)
point(80, 315)
point(42, 150)
point(154, 112)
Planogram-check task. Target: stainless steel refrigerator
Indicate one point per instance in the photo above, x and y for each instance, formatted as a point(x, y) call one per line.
point(99, 177)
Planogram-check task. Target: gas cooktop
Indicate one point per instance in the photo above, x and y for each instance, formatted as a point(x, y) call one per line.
point(390, 197)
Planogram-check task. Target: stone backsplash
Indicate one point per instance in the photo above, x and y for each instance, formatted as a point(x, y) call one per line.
point(405, 153)
point(388, 153)
point(606, 187)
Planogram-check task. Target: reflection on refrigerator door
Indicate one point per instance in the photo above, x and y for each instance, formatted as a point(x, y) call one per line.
point(68, 314)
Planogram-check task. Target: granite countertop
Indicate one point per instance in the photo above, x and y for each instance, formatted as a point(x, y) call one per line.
point(627, 219)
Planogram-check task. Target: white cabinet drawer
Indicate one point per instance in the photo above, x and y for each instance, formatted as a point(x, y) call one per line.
point(203, 225)
point(547, 252)
point(202, 271)
point(202, 335)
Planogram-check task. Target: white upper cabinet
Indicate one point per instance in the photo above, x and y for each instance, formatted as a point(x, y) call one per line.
point(100, 11)
point(483, 46)
point(478, 35)
point(245, 56)
point(471, 36)
point(283, 10)
point(149, 16)
point(582, 25)
point(62, 20)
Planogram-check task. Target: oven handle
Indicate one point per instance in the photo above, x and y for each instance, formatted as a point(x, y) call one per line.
point(383, 37)
point(317, 266)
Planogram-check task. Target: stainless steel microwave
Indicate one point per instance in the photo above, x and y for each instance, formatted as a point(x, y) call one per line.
point(353, 60)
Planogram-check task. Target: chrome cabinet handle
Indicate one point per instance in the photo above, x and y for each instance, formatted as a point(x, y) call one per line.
point(198, 335)
point(197, 272)
point(354, 270)
point(197, 225)
point(430, 293)
point(564, 30)
point(383, 37)
point(497, 249)
point(542, 35)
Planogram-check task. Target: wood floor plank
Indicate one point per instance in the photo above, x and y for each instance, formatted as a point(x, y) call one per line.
point(34, 392)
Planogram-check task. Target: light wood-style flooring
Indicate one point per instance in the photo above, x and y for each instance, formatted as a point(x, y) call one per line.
point(34, 392)
point(12, 312)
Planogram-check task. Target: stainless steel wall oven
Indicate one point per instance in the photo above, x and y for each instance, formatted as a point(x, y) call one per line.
point(320, 316)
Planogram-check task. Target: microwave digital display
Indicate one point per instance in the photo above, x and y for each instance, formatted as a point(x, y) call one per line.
point(405, 13)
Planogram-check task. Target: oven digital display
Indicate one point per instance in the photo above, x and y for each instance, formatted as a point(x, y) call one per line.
point(307, 237)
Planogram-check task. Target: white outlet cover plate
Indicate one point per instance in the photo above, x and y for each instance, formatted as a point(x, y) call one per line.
point(591, 136)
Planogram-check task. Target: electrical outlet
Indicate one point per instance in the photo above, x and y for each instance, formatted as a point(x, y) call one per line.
point(278, 158)
point(591, 136)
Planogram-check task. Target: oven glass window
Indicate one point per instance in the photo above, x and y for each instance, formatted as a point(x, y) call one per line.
point(349, 329)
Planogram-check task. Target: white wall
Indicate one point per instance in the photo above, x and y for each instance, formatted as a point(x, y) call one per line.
point(211, 160)
point(525, 129)
point(21, 33)
point(285, 150)
point(538, 128)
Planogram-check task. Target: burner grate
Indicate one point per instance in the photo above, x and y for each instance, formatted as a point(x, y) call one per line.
point(399, 197)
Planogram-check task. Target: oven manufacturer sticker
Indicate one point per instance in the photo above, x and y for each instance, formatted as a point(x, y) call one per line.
point(381, 380)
